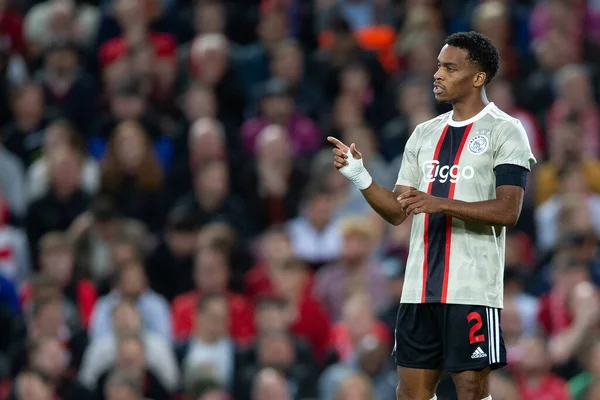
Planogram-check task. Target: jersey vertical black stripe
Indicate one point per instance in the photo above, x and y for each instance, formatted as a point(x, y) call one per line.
point(436, 238)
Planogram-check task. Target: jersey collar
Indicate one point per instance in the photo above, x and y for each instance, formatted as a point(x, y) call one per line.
point(466, 122)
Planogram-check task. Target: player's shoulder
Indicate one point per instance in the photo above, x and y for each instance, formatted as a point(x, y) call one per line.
point(433, 123)
point(503, 121)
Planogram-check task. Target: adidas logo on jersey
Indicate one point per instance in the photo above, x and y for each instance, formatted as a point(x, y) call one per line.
point(478, 353)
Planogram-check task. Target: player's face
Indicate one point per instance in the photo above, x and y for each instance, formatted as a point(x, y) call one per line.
point(456, 77)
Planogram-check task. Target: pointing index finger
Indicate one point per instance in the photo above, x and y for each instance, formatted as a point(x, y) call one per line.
point(337, 143)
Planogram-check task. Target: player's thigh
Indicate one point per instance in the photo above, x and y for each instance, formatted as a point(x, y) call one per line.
point(472, 338)
point(472, 385)
point(417, 383)
point(418, 339)
point(418, 351)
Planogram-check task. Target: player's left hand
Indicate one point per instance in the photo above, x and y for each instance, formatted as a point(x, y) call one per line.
point(417, 202)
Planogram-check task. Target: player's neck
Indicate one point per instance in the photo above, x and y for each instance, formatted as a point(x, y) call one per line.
point(468, 108)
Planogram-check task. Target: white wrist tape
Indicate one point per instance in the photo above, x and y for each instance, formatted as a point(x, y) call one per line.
point(356, 172)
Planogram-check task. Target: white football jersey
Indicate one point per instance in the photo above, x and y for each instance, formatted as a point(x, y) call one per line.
point(450, 260)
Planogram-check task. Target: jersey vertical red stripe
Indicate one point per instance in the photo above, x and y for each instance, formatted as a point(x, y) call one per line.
point(426, 219)
point(449, 218)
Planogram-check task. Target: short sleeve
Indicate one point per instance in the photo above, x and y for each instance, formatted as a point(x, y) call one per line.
point(409, 169)
point(512, 146)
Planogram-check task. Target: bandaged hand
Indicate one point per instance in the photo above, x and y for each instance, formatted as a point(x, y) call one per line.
point(349, 162)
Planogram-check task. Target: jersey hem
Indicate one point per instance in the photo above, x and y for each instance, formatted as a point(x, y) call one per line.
point(430, 300)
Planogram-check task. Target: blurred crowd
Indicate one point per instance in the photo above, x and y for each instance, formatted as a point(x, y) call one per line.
point(172, 227)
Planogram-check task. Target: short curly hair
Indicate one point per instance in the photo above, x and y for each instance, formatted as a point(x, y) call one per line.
point(480, 49)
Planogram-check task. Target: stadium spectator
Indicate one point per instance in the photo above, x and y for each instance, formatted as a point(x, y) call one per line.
point(31, 385)
point(209, 63)
point(204, 141)
point(57, 261)
point(132, 176)
point(315, 233)
point(359, 322)
point(274, 182)
point(101, 353)
point(276, 350)
point(575, 98)
point(411, 102)
point(49, 320)
point(277, 107)
point(130, 283)
point(49, 357)
point(211, 276)
point(574, 208)
point(98, 233)
point(503, 385)
point(494, 19)
point(552, 51)
point(211, 199)
point(62, 203)
point(327, 63)
point(173, 151)
point(269, 384)
point(49, 21)
point(252, 61)
point(309, 320)
point(130, 359)
point(288, 64)
point(534, 377)
point(24, 134)
point(210, 346)
point(170, 266)
point(563, 316)
point(66, 85)
point(502, 94)
point(356, 386)
point(354, 270)
point(61, 134)
point(567, 152)
point(12, 186)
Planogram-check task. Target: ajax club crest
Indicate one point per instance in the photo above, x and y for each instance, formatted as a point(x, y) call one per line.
point(478, 144)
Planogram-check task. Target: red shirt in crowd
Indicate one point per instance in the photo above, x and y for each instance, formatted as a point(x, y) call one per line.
point(165, 47)
point(341, 341)
point(11, 32)
point(311, 323)
point(549, 387)
point(241, 316)
point(257, 283)
point(553, 314)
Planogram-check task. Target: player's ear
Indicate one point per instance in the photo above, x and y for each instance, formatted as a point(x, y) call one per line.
point(479, 79)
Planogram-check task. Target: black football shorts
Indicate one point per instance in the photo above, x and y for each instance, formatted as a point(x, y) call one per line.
point(453, 337)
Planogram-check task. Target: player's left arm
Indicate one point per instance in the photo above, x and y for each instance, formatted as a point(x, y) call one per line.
point(512, 162)
point(503, 210)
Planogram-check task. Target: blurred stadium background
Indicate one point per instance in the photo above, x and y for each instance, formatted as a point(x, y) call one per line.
point(172, 227)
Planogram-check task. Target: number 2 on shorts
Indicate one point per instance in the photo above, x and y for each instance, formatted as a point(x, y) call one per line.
point(473, 336)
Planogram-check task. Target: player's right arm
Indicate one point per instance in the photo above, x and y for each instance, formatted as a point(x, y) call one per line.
point(348, 161)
